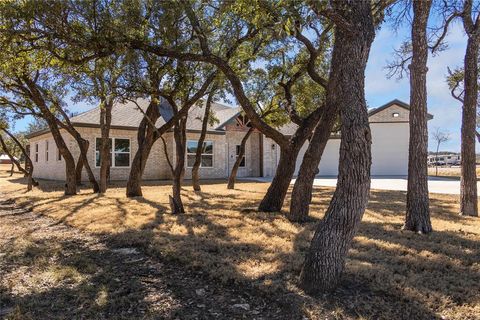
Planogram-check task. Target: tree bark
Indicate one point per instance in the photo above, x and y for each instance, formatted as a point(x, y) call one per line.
point(236, 165)
point(418, 213)
point(78, 170)
point(146, 139)
point(106, 148)
point(179, 132)
point(303, 187)
point(201, 139)
point(325, 259)
point(83, 162)
point(37, 98)
point(468, 181)
point(275, 196)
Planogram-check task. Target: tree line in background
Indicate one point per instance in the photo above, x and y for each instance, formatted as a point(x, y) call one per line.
point(299, 62)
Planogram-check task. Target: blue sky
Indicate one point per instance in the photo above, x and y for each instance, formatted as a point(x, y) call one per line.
point(445, 109)
point(380, 90)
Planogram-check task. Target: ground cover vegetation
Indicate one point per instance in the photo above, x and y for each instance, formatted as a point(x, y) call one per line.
point(284, 62)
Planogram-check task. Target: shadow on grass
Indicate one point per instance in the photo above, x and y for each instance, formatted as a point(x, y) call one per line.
point(390, 274)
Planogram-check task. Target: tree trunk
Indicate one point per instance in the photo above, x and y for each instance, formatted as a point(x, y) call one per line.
point(106, 148)
point(236, 165)
point(418, 214)
point(468, 182)
point(83, 162)
point(275, 196)
point(146, 139)
point(201, 139)
point(303, 187)
point(28, 171)
point(179, 132)
point(325, 259)
point(37, 98)
point(10, 155)
point(78, 170)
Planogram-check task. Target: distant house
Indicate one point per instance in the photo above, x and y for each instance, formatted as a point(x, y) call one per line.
point(389, 124)
point(4, 159)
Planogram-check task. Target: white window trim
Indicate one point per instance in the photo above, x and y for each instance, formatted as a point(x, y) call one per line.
point(207, 154)
point(36, 153)
point(47, 155)
point(113, 153)
point(244, 155)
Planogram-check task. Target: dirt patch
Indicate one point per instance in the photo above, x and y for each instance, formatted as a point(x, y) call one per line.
point(390, 274)
point(51, 271)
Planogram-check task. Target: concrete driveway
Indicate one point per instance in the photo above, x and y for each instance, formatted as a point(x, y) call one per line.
point(399, 183)
point(435, 184)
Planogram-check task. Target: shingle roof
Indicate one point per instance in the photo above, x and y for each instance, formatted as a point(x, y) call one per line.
point(127, 115)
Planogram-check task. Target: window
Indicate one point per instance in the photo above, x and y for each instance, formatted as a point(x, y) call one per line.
point(207, 154)
point(59, 155)
point(242, 164)
point(395, 114)
point(120, 152)
point(46, 150)
point(36, 152)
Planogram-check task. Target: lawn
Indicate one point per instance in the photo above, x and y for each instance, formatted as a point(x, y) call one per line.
point(448, 172)
point(390, 273)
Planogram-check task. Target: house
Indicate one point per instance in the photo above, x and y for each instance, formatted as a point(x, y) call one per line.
point(389, 124)
point(4, 159)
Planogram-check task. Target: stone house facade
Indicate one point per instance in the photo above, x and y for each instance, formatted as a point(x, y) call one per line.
point(389, 125)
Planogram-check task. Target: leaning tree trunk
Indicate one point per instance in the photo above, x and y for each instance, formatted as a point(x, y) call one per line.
point(275, 196)
point(83, 163)
point(179, 132)
point(146, 139)
point(303, 187)
point(28, 171)
point(236, 165)
point(468, 182)
point(325, 259)
point(201, 139)
point(418, 214)
point(78, 170)
point(14, 161)
point(37, 97)
point(105, 150)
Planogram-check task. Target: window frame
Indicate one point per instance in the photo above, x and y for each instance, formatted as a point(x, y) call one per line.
point(46, 150)
point(237, 151)
point(203, 154)
point(113, 152)
point(36, 152)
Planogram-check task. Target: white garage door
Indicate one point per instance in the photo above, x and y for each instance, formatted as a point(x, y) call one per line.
point(389, 151)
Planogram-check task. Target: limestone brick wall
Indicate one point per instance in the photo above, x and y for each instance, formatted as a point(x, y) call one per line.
point(252, 153)
point(51, 169)
point(219, 169)
point(387, 115)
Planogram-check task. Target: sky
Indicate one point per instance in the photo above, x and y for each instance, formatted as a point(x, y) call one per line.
point(445, 109)
point(380, 90)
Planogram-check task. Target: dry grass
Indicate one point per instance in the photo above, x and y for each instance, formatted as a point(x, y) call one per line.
point(449, 172)
point(391, 274)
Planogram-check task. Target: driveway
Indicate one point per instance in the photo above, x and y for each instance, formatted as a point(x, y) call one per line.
point(399, 183)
